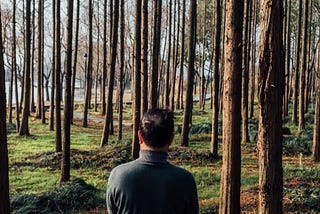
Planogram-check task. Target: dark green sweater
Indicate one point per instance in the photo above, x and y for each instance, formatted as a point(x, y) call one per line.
point(151, 185)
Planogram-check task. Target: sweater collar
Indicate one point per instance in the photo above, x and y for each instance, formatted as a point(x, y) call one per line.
point(153, 156)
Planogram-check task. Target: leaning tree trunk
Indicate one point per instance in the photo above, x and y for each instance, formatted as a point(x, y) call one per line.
point(271, 89)
point(24, 130)
point(190, 78)
point(4, 172)
point(108, 118)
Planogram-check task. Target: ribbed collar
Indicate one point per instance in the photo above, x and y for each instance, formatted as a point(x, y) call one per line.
point(153, 156)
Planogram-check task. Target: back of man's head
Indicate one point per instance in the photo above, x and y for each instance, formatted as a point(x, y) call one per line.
point(156, 127)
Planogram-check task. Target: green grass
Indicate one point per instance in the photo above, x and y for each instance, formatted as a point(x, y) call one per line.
point(32, 173)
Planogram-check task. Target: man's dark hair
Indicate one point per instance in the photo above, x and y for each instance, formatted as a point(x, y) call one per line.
point(156, 127)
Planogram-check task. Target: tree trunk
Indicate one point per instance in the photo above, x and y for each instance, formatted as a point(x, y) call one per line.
point(245, 73)
point(180, 81)
point(175, 54)
point(288, 56)
point(137, 82)
point(316, 132)
point(65, 163)
point(58, 74)
point(121, 70)
point(271, 89)
point(190, 78)
point(153, 98)
point(144, 57)
point(231, 161)
point(88, 70)
point(297, 68)
point(32, 105)
point(75, 57)
point(14, 66)
point(109, 116)
point(24, 131)
point(40, 63)
point(304, 67)
point(4, 172)
point(104, 72)
point(215, 109)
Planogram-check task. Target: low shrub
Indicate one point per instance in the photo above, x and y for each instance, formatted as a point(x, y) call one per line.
point(74, 196)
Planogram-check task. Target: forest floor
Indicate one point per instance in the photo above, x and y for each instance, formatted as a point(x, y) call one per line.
point(35, 167)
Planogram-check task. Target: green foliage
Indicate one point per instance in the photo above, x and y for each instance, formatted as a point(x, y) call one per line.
point(296, 146)
point(11, 128)
point(73, 196)
point(303, 198)
point(253, 129)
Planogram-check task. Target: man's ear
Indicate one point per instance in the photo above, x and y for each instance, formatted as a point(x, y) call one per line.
point(140, 137)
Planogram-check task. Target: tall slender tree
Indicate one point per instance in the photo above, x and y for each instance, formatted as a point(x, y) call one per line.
point(75, 57)
point(191, 71)
point(245, 72)
point(231, 160)
point(297, 67)
point(14, 65)
point(215, 109)
point(137, 82)
point(53, 75)
point(26, 96)
point(104, 61)
point(4, 172)
point(65, 163)
point(108, 118)
point(40, 62)
point(121, 70)
point(58, 75)
point(88, 69)
point(270, 98)
point(304, 67)
point(180, 81)
point(144, 57)
point(153, 97)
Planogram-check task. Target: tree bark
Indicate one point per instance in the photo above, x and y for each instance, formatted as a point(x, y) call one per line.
point(144, 57)
point(137, 82)
point(57, 80)
point(271, 89)
point(304, 67)
point(4, 172)
point(190, 78)
point(215, 109)
point(75, 57)
point(108, 118)
point(24, 131)
point(153, 98)
point(297, 68)
point(231, 160)
point(65, 163)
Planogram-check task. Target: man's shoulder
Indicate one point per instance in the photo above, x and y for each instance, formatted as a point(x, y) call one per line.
point(181, 171)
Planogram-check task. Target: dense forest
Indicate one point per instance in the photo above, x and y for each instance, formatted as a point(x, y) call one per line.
point(242, 76)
